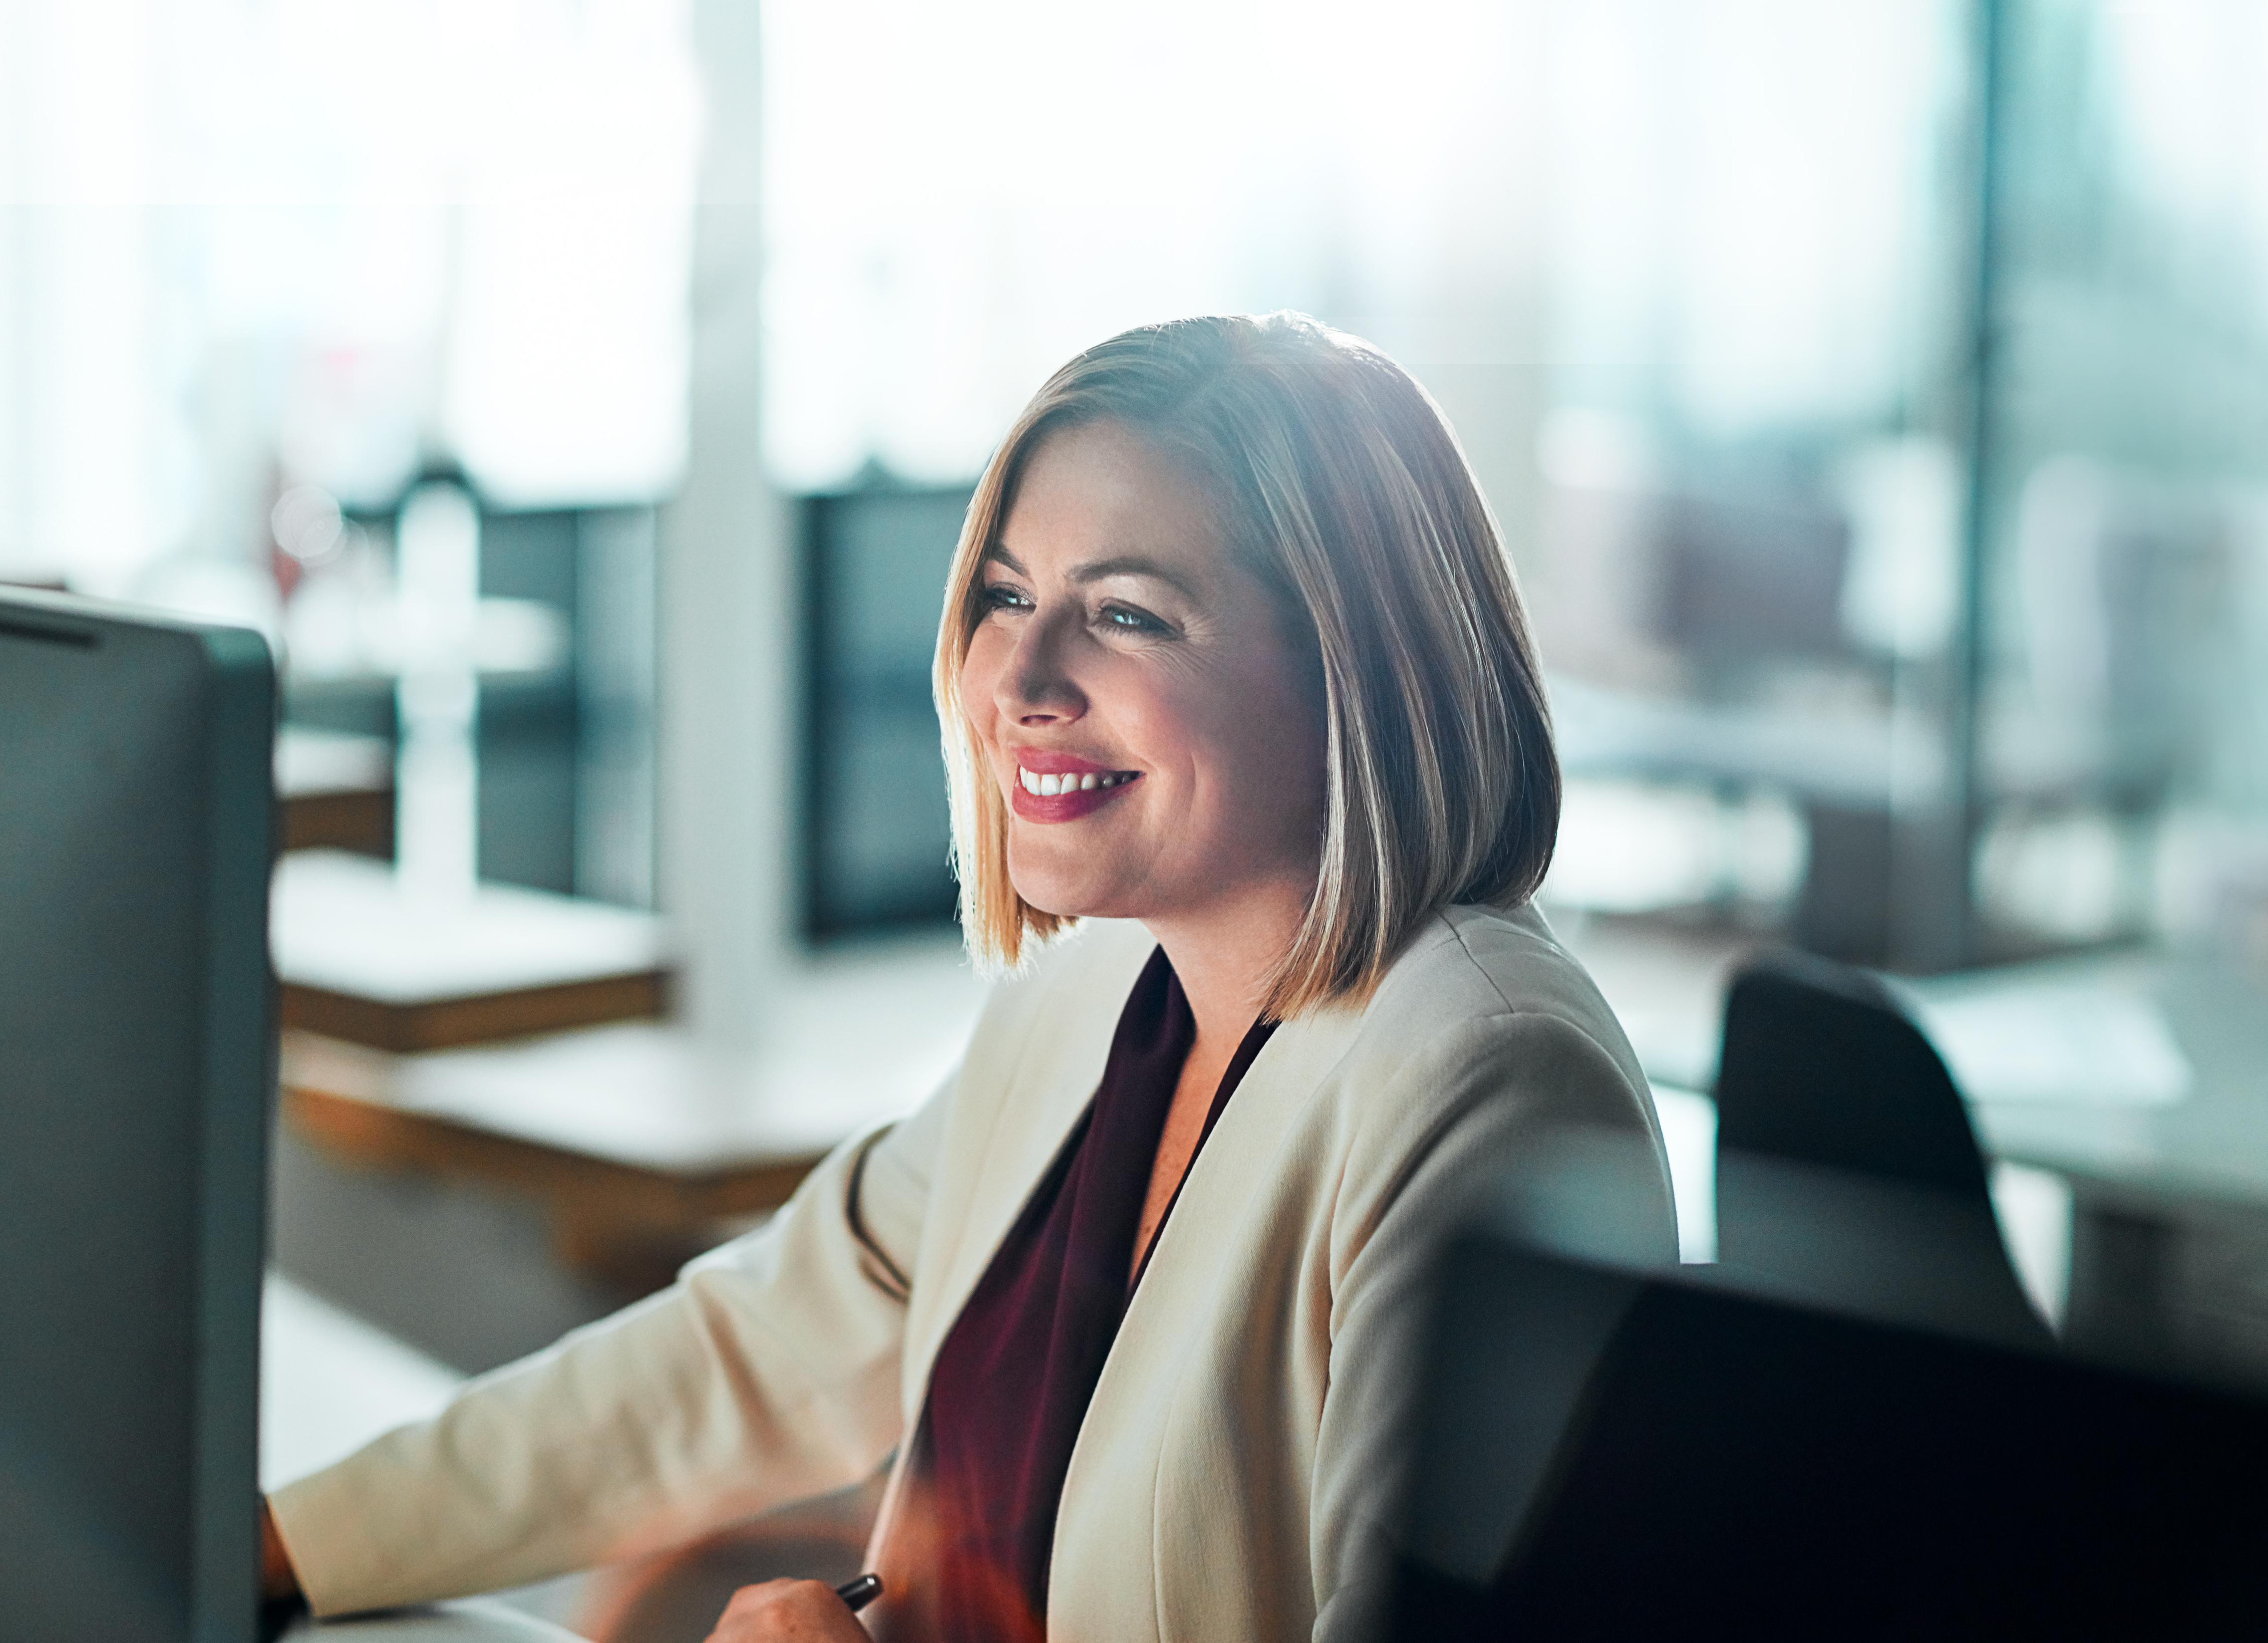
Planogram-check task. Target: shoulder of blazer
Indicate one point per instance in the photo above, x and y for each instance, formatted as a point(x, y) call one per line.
point(1472, 975)
point(1465, 964)
point(1470, 963)
point(1485, 1020)
point(1480, 993)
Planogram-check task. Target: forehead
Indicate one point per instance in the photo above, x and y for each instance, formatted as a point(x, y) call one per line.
point(1098, 491)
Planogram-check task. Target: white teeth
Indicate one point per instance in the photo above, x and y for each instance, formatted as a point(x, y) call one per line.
point(1050, 787)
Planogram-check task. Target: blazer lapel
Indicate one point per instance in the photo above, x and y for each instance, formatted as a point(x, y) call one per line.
point(1254, 1126)
point(1050, 1062)
point(1203, 1236)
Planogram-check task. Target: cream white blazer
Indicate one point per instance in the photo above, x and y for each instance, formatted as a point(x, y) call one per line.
point(1232, 1476)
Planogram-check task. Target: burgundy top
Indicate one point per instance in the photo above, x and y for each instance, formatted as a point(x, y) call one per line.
point(1012, 1380)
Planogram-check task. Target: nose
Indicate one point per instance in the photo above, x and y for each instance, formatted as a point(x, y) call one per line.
point(1038, 685)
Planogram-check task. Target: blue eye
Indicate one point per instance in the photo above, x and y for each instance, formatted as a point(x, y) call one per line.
point(1132, 621)
point(1000, 596)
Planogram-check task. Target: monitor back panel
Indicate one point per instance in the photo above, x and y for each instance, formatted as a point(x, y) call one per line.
point(1604, 1453)
point(134, 1057)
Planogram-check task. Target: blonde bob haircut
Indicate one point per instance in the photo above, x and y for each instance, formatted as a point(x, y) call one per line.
point(1342, 489)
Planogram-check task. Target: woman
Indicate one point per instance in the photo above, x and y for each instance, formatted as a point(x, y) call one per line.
point(1252, 783)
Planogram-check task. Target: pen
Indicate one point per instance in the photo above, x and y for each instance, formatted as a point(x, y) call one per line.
point(860, 1592)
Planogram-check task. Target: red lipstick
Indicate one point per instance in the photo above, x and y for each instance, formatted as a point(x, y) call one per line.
point(1082, 787)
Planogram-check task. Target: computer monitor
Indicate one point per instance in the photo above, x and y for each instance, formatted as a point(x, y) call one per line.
point(1608, 1451)
point(135, 1066)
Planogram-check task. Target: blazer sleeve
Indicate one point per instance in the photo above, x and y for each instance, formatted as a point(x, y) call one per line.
point(1499, 1104)
point(768, 1373)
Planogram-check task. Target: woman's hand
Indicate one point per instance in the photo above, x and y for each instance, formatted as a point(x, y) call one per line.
point(788, 1611)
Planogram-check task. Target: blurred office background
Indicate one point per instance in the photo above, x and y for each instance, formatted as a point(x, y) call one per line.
point(1876, 418)
point(584, 395)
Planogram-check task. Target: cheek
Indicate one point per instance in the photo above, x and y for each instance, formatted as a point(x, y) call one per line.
point(1273, 727)
point(1271, 747)
point(1228, 743)
point(980, 672)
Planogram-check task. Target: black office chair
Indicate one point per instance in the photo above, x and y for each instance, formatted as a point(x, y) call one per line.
point(1846, 1169)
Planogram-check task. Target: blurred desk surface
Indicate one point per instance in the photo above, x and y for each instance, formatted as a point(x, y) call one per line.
point(1843, 758)
point(310, 762)
point(364, 958)
point(637, 1140)
point(329, 1383)
point(334, 791)
point(2143, 1076)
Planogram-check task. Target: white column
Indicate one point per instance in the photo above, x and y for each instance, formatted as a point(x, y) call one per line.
point(728, 598)
point(436, 777)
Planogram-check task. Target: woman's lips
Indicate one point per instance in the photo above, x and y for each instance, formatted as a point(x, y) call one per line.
point(1079, 789)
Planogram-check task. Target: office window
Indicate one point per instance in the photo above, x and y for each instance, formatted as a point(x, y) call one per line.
point(877, 831)
point(1677, 272)
point(2126, 688)
point(563, 651)
point(1698, 281)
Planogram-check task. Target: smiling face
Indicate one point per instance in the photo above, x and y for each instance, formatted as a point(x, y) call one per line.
point(1158, 741)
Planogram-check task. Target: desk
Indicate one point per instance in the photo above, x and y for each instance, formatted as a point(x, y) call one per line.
point(2170, 1227)
point(1839, 766)
point(328, 1383)
point(2145, 1135)
point(334, 791)
point(2140, 1080)
point(641, 1144)
point(1839, 760)
point(365, 959)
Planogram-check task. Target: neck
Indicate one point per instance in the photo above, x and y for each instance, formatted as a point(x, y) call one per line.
point(1223, 955)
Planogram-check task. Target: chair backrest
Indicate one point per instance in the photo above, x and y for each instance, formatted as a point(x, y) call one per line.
point(1845, 1163)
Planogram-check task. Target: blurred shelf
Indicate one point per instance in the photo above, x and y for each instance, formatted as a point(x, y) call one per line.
point(361, 959)
point(334, 790)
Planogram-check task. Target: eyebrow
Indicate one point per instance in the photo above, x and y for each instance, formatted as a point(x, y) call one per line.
point(1121, 565)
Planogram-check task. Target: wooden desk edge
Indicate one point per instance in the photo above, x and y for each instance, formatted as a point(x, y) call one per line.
point(608, 1219)
point(454, 1023)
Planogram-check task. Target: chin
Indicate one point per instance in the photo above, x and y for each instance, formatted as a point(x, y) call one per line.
point(1069, 895)
point(1065, 902)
